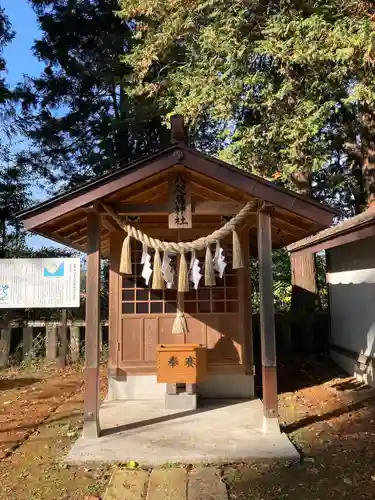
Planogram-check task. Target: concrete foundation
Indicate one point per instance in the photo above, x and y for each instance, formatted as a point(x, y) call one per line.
point(145, 387)
point(145, 432)
point(270, 425)
point(231, 385)
point(180, 401)
point(138, 387)
point(363, 368)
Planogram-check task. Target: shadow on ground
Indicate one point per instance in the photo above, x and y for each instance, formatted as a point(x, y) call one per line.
point(300, 372)
point(16, 383)
point(331, 419)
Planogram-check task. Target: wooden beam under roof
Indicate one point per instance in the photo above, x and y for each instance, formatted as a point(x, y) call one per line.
point(286, 227)
point(109, 224)
point(224, 207)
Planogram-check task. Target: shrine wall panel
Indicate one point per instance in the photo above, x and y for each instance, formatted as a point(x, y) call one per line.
point(146, 317)
point(140, 335)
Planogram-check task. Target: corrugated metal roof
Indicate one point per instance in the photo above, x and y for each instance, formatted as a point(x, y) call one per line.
point(346, 226)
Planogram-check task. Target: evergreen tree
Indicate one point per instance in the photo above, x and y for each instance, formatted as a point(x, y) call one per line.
point(6, 36)
point(13, 198)
point(77, 114)
point(13, 185)
point(292, 82)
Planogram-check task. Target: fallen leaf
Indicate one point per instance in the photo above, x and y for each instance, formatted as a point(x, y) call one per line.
point(132, 464)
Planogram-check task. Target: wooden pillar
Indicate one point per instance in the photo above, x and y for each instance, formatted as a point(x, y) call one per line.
point(74, 343)
point(101, 339)
point(267, 323)
point(5, 336)
point(244, 305)
point(27, 341)
point(51, 341)
point(91, 427)
point(62, 330)
point(114, 325)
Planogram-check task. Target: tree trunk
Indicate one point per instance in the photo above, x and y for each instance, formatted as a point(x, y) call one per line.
point(305, 297)
point(302, 181)
point(368, 173)
point(360, 201)
point(368, 154)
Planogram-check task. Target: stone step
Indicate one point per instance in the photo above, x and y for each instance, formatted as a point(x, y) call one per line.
point(167, 484)
point(206, 484)
point(127, 485)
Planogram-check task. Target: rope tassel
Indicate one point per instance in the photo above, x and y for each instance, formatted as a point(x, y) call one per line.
point(125, 259)
point(237, 252)
point(183, 278)
point(209, 272)
point(157, 277)
point(179, 324)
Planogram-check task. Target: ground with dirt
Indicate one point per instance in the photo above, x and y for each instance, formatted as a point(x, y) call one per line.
point(40, 417)
point(329, 417)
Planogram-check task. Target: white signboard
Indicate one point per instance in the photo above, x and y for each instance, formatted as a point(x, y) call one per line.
point(39, 283)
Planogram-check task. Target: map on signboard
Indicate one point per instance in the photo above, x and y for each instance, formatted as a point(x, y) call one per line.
point(54, 270)
point(4, 292)
point(50, 282)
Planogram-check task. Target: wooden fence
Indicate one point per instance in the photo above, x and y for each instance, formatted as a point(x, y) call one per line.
point(61, 341)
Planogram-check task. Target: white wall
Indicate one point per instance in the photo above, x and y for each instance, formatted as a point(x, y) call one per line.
point(351, 278)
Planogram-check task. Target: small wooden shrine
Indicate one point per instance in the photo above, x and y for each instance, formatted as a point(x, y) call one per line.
point(178, 228)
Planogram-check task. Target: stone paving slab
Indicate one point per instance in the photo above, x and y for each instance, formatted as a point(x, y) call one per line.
point(167, 484)
point(206, 484)
point(127, 485)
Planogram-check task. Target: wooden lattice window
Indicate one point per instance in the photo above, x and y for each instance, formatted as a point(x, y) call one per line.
point(137, 298)
point(221, 298)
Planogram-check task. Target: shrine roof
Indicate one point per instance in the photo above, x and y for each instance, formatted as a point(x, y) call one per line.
point(63, 218)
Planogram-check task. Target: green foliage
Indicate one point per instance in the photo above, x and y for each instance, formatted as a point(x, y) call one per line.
point(35, 357)
point(288, 84)
point(13, 198)
point(13, 182)
point(282, 288)
point(6, 36)
point(282, 281)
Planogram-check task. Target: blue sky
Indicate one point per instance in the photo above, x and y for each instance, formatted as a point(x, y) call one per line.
point(18, 54)
point(21, 61)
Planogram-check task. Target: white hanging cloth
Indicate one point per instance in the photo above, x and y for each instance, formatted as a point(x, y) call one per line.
point(146, 261)
point(219, 260)
point(167, 270)
point(195, 270)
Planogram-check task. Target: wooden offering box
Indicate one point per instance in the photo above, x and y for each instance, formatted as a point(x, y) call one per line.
point(181, 363)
